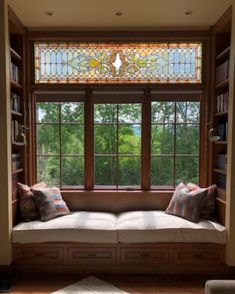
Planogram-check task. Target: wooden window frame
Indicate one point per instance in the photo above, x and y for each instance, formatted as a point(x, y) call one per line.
point(148, 96)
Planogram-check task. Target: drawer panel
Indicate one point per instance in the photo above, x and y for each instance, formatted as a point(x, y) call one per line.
point(88, 256)
point(198, 257)
point(39, 255)
point(144, 256)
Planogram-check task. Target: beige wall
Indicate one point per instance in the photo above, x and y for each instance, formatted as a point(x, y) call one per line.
point(230, 207)
point(5, 142)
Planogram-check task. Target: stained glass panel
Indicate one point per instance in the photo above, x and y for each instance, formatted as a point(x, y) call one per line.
point(118, 63)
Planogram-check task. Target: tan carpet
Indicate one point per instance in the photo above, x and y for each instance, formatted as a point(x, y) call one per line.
point(90, 285)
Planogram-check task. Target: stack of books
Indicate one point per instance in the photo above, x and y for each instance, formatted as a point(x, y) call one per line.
point(222, 72)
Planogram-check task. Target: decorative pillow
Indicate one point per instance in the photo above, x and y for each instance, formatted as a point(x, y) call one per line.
point(208, 210)
point(50, 203)
point(28, 208)
point(187, 204)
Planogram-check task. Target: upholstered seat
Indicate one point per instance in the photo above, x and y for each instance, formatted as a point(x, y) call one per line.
point(127, 227)
point(220, 287)
point(157, 226)
point(91, 227)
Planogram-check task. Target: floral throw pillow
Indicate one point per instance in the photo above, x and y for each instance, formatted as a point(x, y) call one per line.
point(50, 203)
point(28, 209)
point(187, 203)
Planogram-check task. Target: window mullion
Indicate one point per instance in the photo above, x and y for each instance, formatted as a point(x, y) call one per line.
point(89, 156)
point(145, 141)
point(60, 134)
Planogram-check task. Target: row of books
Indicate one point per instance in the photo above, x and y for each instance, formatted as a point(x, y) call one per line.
point(15, 130)
point(223, 131)
point(221, 161)
point(221, 182)
point(222, 72)
point(222, 102)
point(15, 73)
point(15, 102)
point(15, 180)
point(15, 161)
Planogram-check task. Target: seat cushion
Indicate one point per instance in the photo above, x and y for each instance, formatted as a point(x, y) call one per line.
point(157, 226)
point(92, 227)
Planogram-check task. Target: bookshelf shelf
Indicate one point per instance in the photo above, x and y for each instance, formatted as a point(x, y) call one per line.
point(15, 56)
point(16, 113)
point(220, 142)
point(221, 200)
point(224, 54)
point(223, 84)
point(16, 85)
point(219, 171)
point(17, 171)
point(222, 113)
point(19, 144)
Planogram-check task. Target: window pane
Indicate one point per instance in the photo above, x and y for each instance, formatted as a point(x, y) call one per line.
point(187, 139)
point(105, 170)
point(129, 139)
point(163, 112)
point(129, 113)
point(187, 112)
point(105, 113)
point(48, 112)
point(129, 171)
point(73, 171)
point(48, 139)
point(48, 170)
point(162, 139)
point(105, 139)
point(72, 139)
point(162, 171)
point(72, 112)
point(187, 169)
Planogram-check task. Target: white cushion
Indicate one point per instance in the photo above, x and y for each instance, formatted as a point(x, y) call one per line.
point(92, 227)
point(157, 226)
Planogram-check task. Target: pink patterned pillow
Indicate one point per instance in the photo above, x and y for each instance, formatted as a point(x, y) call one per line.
point(187, 203)
point(50, 203)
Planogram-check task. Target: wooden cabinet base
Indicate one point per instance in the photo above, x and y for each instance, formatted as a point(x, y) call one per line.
point(155, 258)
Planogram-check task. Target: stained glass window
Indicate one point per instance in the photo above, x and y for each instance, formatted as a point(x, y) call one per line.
point(118, 63)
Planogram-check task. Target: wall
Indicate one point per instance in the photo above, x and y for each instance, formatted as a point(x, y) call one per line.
point(5, 141)
point(230, 207)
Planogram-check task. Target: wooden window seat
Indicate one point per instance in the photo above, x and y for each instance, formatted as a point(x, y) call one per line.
point(128, 242)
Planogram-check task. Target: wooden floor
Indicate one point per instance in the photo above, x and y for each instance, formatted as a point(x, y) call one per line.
point(130, 283)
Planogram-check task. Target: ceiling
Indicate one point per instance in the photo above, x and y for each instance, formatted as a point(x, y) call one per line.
point(136, 14)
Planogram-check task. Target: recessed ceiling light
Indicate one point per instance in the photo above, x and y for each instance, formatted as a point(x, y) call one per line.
point(188, 12)
point(118, 13)
point(49, 13)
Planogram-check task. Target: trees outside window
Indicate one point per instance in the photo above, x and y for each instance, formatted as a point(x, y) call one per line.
point(117, 142)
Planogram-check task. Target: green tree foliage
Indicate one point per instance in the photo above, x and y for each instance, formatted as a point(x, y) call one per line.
point(117, 143)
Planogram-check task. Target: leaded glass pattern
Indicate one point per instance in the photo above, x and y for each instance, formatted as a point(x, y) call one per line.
point(118, 63)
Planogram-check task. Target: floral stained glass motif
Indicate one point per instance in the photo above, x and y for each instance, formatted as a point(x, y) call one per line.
point(118, 63)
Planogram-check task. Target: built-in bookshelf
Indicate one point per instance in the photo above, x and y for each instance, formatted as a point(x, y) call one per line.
point(17, 96)
point(219, 106)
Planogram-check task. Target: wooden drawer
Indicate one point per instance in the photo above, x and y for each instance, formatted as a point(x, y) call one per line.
point(39, 255)
point(88, 256)
point(198, 257)
point(144, 256)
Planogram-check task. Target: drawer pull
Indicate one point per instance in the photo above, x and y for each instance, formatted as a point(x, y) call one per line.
point(144, 254)
point(91, 254)
point(39, 254)
point(198, 256)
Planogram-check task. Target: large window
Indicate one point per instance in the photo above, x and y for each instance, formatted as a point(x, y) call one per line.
point(118, 140)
